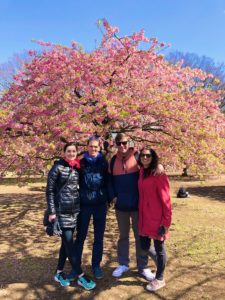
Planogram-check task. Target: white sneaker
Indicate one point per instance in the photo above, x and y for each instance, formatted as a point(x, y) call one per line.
point(120, 270)
point(148, 274)
point(155, 285)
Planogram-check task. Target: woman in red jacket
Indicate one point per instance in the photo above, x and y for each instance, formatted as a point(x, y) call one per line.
point(154, 212)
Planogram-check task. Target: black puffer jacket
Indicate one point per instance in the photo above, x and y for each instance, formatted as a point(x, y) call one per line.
point(62, 193)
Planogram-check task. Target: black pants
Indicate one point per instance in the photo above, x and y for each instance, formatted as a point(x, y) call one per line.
point(160, 254)
point(67, 250)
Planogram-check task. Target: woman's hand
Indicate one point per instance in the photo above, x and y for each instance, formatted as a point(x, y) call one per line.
point(162, 230)
point(159, 170)
point(166, 229)
point(51, 218)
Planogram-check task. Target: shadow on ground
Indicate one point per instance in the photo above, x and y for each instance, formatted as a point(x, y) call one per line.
point(212, 192)
point(28, 257)
point(23, 180)
point(184, 178)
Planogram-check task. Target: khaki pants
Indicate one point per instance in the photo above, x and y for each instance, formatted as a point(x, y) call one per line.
point(125, 220)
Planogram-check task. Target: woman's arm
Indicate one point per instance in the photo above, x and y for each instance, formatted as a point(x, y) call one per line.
point(111, 192)
point(164, 195)
point(51, 190)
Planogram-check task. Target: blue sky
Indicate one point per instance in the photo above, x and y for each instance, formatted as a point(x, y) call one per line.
point(188, 25)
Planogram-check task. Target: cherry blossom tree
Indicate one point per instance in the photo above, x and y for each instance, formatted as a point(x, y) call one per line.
point(67, 93)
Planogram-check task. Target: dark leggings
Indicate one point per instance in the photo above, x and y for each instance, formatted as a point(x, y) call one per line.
point(67, 250)
point(99, 219)
point(160, 253)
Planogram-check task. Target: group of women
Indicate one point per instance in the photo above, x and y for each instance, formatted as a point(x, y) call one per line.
point(77, 190)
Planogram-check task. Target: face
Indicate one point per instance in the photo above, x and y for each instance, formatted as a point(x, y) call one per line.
point(111, 148)
point(71, 152)
point(122, 145)
point(145, 158)
point(93, 148)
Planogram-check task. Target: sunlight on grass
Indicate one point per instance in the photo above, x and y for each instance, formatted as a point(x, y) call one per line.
point(195, 268)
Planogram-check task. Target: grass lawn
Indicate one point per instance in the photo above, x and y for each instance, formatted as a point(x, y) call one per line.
point(196, 248)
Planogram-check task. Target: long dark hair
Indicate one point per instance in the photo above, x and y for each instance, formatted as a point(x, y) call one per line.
point(153, 164)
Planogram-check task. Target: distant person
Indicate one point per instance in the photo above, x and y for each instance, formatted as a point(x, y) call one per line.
point(109, 149)
point(64, 204)
point(124, 171)
point(182, 193)
point(154, 212)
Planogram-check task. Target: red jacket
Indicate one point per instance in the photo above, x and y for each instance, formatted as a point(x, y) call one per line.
point(154, 205)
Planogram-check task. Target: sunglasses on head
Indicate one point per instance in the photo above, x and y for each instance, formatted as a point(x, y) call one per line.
point(146, 155)
point(94, 138)
point(121, 143)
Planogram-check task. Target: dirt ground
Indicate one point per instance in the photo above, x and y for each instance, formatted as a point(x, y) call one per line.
point(196, 248)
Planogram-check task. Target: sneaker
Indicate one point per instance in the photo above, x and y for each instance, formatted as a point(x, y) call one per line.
point(120, 270)
point(72, 276)
point(97, 271)
point(155, 285)
point(61, 278)
point(147, 274)
point(86, 282)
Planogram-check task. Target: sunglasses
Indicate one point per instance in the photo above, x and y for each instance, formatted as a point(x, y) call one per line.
point(121, 143)
point(145, 155)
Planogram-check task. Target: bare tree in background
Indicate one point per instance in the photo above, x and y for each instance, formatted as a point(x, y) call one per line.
point(205, 63)
point(208, 65)
point(12, 67)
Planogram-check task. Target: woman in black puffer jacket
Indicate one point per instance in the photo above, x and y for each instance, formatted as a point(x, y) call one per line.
point(64, 203)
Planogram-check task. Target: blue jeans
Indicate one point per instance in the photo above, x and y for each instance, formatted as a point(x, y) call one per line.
point(67, 250)
point(99, 219)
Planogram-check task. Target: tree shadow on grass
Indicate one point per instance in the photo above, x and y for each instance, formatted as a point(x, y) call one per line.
point(37, 189)
point(14, 207)
point(28, 259)
point(24, 180)
point(184, 178)
point(212, 192)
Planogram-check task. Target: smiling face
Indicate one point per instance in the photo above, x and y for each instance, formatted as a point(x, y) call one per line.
point(70, 152)
point(145, 158)
point(93, 148)
point(122, 145)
